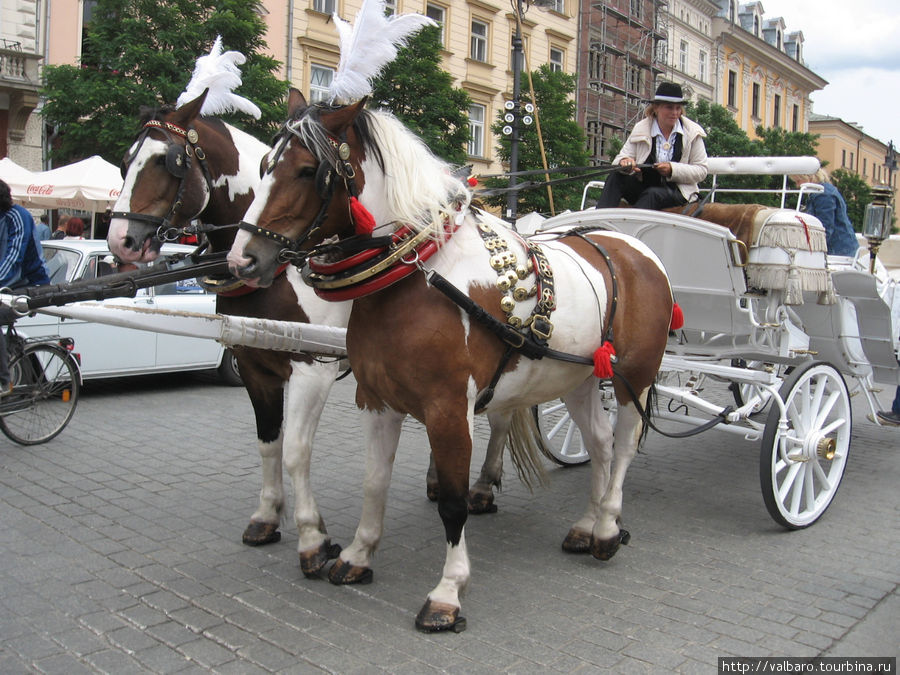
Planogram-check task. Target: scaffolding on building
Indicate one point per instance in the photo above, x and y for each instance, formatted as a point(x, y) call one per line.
point(626, 57)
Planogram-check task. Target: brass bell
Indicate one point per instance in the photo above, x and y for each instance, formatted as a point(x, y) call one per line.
point(503, 283)
point(521, 271)
point(507, 304)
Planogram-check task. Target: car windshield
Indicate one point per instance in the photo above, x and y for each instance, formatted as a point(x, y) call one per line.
point(61, 264)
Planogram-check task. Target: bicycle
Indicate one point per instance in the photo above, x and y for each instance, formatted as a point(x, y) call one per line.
point(46, 383)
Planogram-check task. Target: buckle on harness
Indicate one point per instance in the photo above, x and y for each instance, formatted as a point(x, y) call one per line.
point(541, 327)
point(515, 339)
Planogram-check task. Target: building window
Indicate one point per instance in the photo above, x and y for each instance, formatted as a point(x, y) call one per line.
point(732, 11)
point(390, 7)
point(478, 41)
point(702, 63)
point(843, 158)
point(597, 65)
point(476, 130)
point(557, 59)
point(776, 112)
point(559, 6)
point(864, 166)
point(732, 88)
point(438, 14)
point(778, 42)
point(319, 81)
point(683, 56)
point(634, 79)
point(851, 160)
point(795, 118)
point(756, 26)
point(754, 105)
point(637, 8)
point(324, 6)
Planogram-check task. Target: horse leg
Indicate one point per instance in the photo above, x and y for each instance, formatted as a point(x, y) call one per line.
point(307, 391)
point(266, 397)
point(451, 443)
point(481, 495)
point(382, 432)
point(585, 406)
point(607, 535)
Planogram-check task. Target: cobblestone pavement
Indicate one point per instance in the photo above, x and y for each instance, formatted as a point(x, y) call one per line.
point(121, 553)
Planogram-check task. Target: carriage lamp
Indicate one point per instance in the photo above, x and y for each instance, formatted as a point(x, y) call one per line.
point(877, 221)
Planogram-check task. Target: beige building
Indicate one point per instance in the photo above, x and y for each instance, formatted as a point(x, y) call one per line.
point(760, 72)
point(689, 47)
point(477, 37)
point(21, 32)
point(844, 145)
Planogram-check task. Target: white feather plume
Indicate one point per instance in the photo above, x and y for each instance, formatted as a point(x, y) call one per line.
point(368, 46)
point(219, 73)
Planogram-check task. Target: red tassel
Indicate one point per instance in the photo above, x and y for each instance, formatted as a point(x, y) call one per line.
point(603, 359)
point(472, 181)
point(677, 318)
point(364, 221)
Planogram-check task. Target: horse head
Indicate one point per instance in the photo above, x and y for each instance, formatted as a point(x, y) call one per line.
point(316, 164)
point(181, 167)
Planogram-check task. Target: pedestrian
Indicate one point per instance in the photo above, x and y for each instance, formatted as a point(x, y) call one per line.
point(831, 209)
point(20, 265)
point(74, 228)
point(891, 417)
point(42, 228)
point(672, 144)
point(59, 231)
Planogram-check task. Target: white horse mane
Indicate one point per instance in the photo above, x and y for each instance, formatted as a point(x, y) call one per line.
point(420, 189)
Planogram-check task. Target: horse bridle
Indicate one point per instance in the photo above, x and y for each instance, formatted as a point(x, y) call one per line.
point(178, 164)
point(325, 182)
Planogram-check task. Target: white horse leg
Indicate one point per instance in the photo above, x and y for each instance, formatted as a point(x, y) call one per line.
point(263, 528)
point(481, 495)
point(607, 535)
point(585, 406)
point(441, 609)
point(305, 395)
point(382, 432)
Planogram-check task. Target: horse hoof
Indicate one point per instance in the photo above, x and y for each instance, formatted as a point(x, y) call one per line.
point(431, 491)
point(311, 562)
point(604, 549)
point(480, 503)
point(343, 573)
point(577, 541)
point(435, 617)
point(260, 534)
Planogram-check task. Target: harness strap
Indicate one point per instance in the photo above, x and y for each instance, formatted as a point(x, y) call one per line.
point(522, 343)
point(608, 336)
point(488, 393)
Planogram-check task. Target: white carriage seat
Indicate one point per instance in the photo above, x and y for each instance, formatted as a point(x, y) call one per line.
point(788, 253)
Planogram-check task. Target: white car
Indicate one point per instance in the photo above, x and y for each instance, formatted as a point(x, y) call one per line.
point(111, 351)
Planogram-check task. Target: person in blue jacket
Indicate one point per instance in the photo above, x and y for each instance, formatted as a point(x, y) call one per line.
point(831, 209)
point(21, 265)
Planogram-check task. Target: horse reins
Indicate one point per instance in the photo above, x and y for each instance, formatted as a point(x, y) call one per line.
point(178, 163)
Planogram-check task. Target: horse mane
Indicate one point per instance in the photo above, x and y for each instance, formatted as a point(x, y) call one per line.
point(419, 186)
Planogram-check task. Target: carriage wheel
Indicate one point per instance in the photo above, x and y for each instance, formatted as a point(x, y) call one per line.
point(801, 466)
point(562, 438)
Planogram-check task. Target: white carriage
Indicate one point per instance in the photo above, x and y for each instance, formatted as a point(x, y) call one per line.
point(783, 324)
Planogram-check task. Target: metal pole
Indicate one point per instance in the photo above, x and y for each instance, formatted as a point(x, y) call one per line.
point(513, 196)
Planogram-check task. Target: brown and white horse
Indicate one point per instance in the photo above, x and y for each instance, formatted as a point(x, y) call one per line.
point(183, 167)
point(164, 190)
point(414, 352)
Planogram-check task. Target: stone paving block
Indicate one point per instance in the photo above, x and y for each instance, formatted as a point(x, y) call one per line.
point(206, 652)
point(64, 664)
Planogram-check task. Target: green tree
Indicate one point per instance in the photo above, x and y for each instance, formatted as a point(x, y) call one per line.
point(855, 192)
point(564, 143)
point(416, 89)
point(142, 53)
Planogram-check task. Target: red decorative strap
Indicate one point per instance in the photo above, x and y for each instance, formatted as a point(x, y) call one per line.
point(327, 268)
point(362, 219)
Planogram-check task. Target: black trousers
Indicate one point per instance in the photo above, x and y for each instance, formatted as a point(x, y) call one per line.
point(641, 194)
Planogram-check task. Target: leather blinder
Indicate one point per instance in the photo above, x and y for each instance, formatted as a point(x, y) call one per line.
point(176, 161)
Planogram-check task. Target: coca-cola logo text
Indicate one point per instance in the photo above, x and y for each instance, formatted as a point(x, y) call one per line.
point(39, 189)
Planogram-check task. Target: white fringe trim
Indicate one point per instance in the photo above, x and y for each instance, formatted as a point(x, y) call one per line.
point(792, 236)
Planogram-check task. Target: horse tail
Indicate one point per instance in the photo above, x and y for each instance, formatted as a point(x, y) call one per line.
point(526, 447)
point(652, 396)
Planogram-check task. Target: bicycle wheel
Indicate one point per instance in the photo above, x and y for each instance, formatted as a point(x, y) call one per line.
point(45, 391)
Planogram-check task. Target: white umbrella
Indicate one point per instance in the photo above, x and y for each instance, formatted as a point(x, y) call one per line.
point(17, 177)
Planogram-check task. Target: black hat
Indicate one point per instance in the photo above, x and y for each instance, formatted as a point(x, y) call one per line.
point(668, 92)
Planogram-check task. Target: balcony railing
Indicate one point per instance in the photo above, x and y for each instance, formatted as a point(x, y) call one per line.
point(17, 66)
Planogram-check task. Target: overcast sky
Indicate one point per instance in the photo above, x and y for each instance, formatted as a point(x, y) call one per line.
point(855, 45)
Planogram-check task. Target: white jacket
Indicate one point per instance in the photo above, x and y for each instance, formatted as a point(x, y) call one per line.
point(688, 172)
